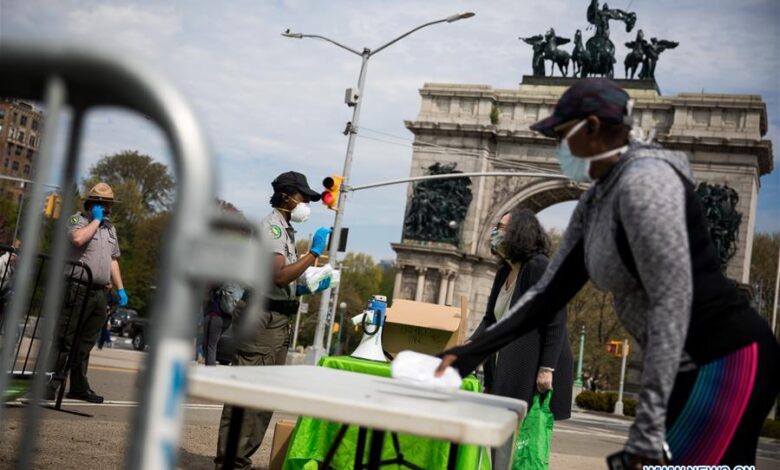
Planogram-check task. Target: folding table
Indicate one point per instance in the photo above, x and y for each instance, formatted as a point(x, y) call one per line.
point(373, 403)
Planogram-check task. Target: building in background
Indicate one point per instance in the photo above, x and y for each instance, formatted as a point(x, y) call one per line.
point(20, 127)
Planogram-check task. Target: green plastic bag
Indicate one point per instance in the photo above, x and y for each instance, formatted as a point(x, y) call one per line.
point(532, 446)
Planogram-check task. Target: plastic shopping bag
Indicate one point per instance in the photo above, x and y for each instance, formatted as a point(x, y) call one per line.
point(532, 446)
point(314, 275)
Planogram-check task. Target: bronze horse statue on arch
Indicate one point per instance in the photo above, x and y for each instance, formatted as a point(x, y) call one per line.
point(579, 55)
point(637, 55)
point(558, 57)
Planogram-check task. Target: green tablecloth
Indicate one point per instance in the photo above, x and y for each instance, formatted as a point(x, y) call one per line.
point(312, 438)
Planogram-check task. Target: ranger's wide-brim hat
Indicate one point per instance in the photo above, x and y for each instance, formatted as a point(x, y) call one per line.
point(101, 192)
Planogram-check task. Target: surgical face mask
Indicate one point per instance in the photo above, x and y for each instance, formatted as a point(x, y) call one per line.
point(578, 168)
point(497, 243)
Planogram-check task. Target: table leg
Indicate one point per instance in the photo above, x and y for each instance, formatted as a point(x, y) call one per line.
point(452, 460)
point(375, 451)
point(335, 446)
point(234, 433)
point(360, 449)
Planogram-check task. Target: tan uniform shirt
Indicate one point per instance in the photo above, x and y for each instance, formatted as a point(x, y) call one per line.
point(281, 238)
point(96, 253)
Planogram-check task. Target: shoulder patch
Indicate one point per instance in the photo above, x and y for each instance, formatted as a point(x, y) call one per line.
point(74, 220)
point(276, 231)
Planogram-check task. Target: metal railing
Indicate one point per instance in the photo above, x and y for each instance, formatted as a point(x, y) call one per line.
point(26, 336)
point(196, 247)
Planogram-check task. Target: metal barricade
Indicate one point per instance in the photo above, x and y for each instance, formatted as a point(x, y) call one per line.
point(196, 247)
point(25, 336)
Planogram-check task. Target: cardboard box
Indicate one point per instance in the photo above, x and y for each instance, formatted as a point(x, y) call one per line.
point(423, 327)
point(282, 433)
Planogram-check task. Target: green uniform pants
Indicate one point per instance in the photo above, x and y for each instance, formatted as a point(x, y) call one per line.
point(94, 317)
point(268, 348)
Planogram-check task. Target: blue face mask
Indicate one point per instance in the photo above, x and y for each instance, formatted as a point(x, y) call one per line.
point(578, 168)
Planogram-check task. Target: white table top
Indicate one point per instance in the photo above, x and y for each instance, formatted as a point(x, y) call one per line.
point(363, 400)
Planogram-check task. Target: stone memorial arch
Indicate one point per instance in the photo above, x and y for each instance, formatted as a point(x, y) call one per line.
point(484, 129)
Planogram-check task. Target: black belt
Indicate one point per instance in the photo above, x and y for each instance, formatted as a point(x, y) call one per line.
point(285, 307)
point(93, 286)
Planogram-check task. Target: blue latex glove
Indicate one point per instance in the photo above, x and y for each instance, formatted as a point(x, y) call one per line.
point(122, 297)
point(324, 284)
point(319, 241)
point(97, 212)
point(301, 290)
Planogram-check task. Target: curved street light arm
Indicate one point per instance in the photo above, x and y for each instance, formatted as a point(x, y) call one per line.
point(317, 36)
point(407, 34)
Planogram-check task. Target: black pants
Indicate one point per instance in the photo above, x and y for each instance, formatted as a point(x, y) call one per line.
point(715, 412)
point(213, 328)
point(94, 318)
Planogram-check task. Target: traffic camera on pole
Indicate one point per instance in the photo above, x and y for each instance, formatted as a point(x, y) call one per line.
point(330, 197)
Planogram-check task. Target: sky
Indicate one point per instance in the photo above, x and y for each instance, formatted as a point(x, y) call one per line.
point(269, 104)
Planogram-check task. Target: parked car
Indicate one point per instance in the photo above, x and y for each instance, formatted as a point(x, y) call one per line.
point(119, 321)
point(138, 331)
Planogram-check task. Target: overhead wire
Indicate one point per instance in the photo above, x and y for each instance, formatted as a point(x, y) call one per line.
point(444, 150)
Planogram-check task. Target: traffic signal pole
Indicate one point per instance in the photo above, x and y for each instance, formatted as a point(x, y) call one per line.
point(619, 403)
point(352, 128)
point(318, 350)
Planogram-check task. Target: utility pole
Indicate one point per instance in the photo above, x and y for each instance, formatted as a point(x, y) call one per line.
point(351, 130)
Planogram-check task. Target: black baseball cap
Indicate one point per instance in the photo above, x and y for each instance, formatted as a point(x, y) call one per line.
point(590, 96)
point(298, 181)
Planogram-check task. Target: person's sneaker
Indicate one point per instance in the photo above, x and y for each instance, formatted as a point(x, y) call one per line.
point(89, 396)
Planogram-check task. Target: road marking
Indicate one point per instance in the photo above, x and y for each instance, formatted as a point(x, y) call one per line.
point(619, 437)
point(114, 369)
point(120, 403)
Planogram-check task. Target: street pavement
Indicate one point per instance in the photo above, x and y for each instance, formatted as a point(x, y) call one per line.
point(70, 441)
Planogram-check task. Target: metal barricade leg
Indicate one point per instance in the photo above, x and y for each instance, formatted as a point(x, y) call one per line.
point(54, 286)
point(55, 99)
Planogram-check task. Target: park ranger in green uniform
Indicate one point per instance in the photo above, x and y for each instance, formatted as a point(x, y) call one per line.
point(268, 344)
point(94, 242)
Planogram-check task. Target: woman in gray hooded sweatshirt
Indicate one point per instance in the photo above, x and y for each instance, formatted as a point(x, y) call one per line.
point(710, 362)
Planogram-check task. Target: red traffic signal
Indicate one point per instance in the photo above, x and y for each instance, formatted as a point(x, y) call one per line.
point(330, 197)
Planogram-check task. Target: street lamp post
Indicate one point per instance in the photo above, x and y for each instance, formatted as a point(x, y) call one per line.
point(352, 129)
point(19, 213)
point(578, 380)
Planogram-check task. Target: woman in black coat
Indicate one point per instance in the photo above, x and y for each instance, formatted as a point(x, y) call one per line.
point(540, 359)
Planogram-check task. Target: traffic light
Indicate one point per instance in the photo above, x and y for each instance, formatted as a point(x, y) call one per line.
point(330, 197)
point(615, 348)
point(335, 327)
point(52, 207)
